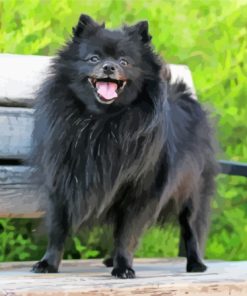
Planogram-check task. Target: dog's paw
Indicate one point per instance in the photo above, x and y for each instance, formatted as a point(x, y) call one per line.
point(196, 267)
point(43, 267)
point(123, 273)
point(108, 262)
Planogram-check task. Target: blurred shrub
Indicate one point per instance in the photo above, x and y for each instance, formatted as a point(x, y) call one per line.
point(15, 244)
point(208, 36)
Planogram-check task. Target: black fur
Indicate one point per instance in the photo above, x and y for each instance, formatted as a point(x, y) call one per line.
point(122, 161)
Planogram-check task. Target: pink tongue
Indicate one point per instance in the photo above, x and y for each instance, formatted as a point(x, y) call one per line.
point(106, 89)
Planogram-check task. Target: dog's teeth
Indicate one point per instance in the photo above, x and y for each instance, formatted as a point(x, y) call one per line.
point(123, 84)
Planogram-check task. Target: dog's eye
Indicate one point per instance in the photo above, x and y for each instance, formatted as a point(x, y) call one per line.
point(94, 59)
point(123, 62)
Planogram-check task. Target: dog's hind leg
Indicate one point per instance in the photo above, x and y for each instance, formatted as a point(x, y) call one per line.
point(189, 235)
point(202, 220)
point(58, 231)
point(200, 225)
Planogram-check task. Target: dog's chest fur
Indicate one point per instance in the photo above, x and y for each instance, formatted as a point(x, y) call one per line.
point(98, 156)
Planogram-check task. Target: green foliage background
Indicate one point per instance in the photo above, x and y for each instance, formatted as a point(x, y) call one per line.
point(208, 36)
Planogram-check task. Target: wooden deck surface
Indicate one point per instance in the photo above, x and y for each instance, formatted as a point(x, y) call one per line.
point(156, 277)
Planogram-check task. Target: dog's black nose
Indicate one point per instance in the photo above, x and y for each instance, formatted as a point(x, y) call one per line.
point(109, 68)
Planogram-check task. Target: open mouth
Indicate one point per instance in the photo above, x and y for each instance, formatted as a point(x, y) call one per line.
point(107, 89)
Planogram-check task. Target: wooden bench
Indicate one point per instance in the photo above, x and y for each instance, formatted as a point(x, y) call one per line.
point(19, 78)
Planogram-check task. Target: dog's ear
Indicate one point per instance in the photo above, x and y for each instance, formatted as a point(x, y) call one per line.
point(85, 23)
point(140, 29)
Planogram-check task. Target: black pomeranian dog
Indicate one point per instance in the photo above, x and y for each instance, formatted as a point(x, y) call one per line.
point(114, 141)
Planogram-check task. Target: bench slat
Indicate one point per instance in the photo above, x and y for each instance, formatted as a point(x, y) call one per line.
point(18, 198)
point(16, 125)
point(19, 201)
point(14, 174)
point(20, 76)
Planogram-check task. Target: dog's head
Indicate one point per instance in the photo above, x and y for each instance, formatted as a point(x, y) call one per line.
point(108, 68)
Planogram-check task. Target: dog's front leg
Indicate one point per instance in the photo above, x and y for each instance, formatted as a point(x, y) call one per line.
point(57, 234)
point(130, 224)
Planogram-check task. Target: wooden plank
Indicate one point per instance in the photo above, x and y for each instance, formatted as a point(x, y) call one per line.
point(18, 198)
point(20, 201)
point(14, 174)
point(20, 76)
point(16, 125)
point(155, 277)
